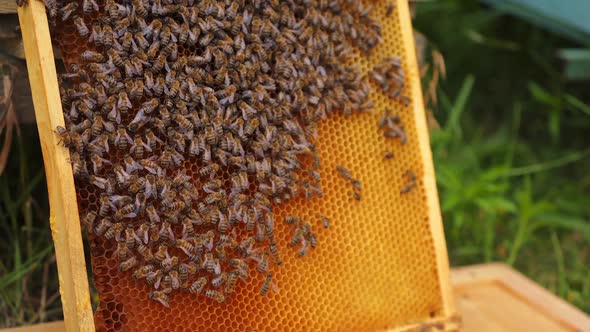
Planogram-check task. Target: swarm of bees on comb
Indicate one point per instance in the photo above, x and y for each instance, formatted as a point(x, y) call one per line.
point(234, 87)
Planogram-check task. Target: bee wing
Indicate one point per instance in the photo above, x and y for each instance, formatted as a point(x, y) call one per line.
point(147, 147)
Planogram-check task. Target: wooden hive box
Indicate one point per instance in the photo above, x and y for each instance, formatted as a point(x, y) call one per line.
point(382, 265)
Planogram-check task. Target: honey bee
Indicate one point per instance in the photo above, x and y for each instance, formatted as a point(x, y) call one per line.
point(260, 232)
point(152, 214)
point(184, 270)
point(81, 26)
point(211, 264)
point(174, 279)
point(136, 184)
point(136, 92)
point(199, 285)
point(210, 169)
point(139, 7)
point(161, 254)
point(274, 252)
point(131, 165)
point(389, 10)
point(291, 220)
point(99, 182)
point(127, 211)
point(313, 241)
point(215, 295)
point(64, 136)
point(92, 56)
point(89, 219)
point(143, 271)
point(219, 280)
point(215, 197)
point(267, 284)
point(158, 64)
point(115, 57)
point(325, 221)
point(123, 103)
point(122, 252)
point(411, 182)
point(169, 263)
point(138, 148)
point(388, 155)
point(140, 203)
point(302, 250)
point(262, 263)
point(67, 10)
point(97, 34)
point(183, 122)
point(154, 277)
point(356, 195)
point(344, 172)
point(131, 239)
point(356, 184)
point(119, 201)
point(161, 296)
point(186, 246)
point(145, 252)
point(166, 232)
point(127, 41)
point(223, 225)
point(128, 264)
point(188, 231)
point(107, 36)
point(98, 125)
point(139, 121)
point(78, 165)
point(102, 226)
point(114, 231)
point(251, 126)
point(143, 232)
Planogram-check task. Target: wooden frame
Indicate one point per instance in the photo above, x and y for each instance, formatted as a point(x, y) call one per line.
point(525, 306)
point(64, 219)
point(432, 201)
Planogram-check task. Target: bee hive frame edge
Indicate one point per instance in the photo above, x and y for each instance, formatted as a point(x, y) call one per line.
point(63, 217)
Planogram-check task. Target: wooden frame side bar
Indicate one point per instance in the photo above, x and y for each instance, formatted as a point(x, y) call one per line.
point(64, 218)
point(429, 180)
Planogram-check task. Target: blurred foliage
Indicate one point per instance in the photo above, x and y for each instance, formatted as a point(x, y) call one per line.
point(511, 153)
point(28, 276)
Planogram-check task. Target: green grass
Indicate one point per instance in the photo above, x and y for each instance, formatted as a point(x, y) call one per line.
point(28, 276)
point(511, 156)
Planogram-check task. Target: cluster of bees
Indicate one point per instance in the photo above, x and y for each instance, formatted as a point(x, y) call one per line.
point(234, 87)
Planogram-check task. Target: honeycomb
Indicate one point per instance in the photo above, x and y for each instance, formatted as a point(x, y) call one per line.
point(374, 267)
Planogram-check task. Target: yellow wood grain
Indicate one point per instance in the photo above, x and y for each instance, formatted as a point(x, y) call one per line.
point(64, 219)
point(429, 180)
point(7, 6)
point(44, 327)
point(494, 297)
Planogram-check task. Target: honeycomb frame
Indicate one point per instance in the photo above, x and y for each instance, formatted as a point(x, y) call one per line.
point(65, 221)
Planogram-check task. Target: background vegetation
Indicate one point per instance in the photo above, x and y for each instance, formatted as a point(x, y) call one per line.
point(510, 156)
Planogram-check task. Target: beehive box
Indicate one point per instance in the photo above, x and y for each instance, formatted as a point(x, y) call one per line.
point(382, 264)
